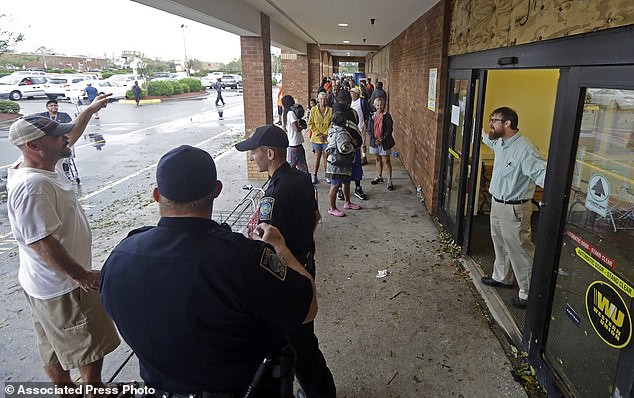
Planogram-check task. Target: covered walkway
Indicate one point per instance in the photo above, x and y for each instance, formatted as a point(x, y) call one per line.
point(421, 331)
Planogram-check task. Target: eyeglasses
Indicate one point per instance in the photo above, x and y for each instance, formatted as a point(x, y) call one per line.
point(493, 120)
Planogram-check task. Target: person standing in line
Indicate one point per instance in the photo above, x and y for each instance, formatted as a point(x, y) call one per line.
point(370, 88)
point(229, 300)
point(289, 204)
point(378, 92)
point(91, 94)
point(280, 108)
point(296, 152)
point(136, 91)
point(381, 127)
point(517, 167)
point(359, 105)
point(53, 112)
point(54, 242)
point(344, 99)
point(319, 122)
point(218, 87)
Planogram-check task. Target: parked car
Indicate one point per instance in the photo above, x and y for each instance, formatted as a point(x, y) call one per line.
point(106, 87)
point(29, 73)
point(126, 80)
point(231, 81)
point(64, 86)
point(16, 87)
point(210, 79)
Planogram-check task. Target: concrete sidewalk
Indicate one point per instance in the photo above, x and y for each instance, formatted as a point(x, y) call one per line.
point(421, 331)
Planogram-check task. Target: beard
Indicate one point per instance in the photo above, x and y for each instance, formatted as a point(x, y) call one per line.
point(494, 134)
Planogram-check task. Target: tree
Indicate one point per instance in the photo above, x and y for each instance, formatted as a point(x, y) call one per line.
point(235, 66)
point(194, 65)
point(7, 38)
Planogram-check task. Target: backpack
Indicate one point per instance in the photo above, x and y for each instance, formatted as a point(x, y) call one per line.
point(298, 110)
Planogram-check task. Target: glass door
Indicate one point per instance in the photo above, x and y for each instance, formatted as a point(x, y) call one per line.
point(456, 144)
point(589, 340)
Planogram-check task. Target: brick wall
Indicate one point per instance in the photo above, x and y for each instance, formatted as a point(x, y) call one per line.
point(295, 77)
point(417, 130)
point(314, 70)
point(256, 78)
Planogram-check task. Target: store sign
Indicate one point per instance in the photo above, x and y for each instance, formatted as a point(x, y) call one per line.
point(608, 314)
point(598, 195)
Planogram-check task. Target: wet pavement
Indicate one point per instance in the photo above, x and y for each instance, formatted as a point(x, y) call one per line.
point(420, 331)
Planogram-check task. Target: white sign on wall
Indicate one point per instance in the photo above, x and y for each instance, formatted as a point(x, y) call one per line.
point(431, 93)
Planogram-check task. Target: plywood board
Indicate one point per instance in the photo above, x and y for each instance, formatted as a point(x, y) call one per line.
point(490, 24)
point(478, 25)
point(459, 29)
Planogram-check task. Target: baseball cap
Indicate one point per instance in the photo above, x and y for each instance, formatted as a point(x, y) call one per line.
point(268, 135)
point(185, 174)
point(355, 90)
point(32, 127)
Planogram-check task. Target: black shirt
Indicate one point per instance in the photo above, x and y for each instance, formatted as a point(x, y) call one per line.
point(199, 305)
point(289, 204)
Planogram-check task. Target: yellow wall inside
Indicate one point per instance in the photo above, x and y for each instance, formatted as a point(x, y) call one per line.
point(532, 93)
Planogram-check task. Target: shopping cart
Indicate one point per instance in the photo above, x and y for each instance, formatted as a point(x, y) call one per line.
point(245, 216)
point(70, 169)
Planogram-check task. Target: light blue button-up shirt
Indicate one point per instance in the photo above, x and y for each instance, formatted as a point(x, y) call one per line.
point(517, 167)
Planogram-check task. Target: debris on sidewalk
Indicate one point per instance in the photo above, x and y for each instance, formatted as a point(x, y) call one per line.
point(382, 273)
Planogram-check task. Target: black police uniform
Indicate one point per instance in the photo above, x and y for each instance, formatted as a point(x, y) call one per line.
point(289, 204)
point(199, 305)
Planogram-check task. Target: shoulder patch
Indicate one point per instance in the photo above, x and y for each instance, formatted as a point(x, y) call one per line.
point(266, 208)
point(271, 262)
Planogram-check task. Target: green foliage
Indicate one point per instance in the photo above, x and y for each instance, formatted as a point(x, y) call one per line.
point(234, 67)
point(274, 81)
point(194, 84)
point(177, 87)
point(8, 106)
point(160, 88)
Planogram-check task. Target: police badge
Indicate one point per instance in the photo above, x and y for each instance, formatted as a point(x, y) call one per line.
point(266, 208)
point(271, 262)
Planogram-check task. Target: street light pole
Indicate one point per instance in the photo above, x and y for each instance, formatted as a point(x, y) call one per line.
point(183, 26)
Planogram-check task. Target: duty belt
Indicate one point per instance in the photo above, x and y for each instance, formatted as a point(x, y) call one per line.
point(511, 202)
point(204, 394)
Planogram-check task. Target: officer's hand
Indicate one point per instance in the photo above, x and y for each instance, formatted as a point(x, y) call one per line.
point(268, 234)
point(101, 101)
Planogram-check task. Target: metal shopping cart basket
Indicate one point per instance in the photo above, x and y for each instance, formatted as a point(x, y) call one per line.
point(70, 169)
point(245, 216)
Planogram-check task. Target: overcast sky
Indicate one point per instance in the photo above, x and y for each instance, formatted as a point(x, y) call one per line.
point(98, 28)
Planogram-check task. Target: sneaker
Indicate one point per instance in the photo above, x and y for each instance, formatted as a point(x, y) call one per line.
point(313, 178)
point(390, 186)
point(364, 160)
point(340, 194)
point(336, 213)
point(351, 206)
point(376, 180)
point(327, 180)
point(358, 192)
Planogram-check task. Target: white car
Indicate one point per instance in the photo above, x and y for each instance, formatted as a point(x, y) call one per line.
point(64, 86)
point(126, 80)
point(16, 87)
point(210, 79)
point(107, 87)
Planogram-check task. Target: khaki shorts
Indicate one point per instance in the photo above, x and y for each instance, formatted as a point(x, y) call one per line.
point(72, 330)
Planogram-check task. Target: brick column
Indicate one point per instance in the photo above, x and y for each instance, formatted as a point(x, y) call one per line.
point(314, 70)
point(256, 78)
point(295, 73)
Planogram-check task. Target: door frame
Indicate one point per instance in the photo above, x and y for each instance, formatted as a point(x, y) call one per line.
point(455, 227)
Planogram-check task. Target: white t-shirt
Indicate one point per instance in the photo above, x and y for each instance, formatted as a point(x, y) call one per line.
point(294, 137)
point(42, 203)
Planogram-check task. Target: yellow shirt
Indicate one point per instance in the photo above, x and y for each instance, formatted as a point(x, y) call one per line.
point(319, 124)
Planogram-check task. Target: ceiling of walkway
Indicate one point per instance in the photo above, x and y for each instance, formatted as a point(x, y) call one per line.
point(371, 24)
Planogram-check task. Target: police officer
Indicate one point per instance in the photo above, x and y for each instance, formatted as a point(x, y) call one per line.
point(199, 305)
point(289, 204)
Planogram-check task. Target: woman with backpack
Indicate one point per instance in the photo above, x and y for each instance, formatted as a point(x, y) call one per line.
point(340, 158)
point(296, 155)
